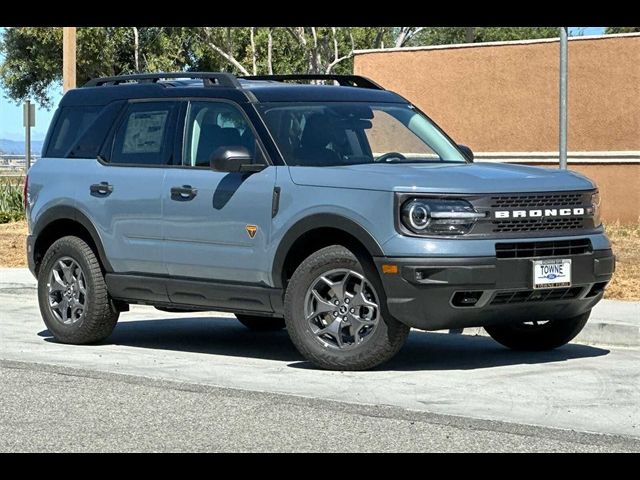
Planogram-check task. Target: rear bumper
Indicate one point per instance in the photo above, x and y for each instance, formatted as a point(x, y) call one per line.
point(435, 293)
point(31, 241)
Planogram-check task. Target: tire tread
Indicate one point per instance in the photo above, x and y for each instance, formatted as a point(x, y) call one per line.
point(101, 316)
point(332, 257)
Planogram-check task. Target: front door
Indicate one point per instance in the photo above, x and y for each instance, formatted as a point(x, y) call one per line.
point(216, 225)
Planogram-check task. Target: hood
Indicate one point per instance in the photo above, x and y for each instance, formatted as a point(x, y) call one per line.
point(481, 177)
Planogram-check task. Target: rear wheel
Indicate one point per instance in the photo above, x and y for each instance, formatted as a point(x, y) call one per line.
point(334, 315)
point(538, 335)
point(73, 297)
point(260, 324)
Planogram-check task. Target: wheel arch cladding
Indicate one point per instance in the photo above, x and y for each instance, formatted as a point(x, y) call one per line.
point(60, 222)
point(314, 232)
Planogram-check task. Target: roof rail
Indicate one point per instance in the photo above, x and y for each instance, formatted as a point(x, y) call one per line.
point(209, 79)
point(344, 80)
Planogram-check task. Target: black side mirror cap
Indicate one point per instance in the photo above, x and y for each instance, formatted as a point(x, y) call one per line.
point(234, 159)
point(466, 151)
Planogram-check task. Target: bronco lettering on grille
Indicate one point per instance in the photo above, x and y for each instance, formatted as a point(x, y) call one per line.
point(546, 212)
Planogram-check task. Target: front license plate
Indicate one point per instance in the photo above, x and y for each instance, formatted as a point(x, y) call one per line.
point(551, 273)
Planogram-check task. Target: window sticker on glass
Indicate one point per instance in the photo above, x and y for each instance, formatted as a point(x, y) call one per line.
point(144, 132)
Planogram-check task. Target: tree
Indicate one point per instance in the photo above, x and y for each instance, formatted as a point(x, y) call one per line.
point(33, 61)
point(288, 49)
point(33, 56)
point(448, 35)
point(321, 46)
point(610, 30)
point(404, 34)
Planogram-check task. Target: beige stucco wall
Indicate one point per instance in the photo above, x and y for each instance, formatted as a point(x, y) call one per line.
point(504, 98)
point(619, 190)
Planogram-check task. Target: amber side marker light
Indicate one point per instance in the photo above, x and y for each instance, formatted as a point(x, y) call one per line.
point(389, 268)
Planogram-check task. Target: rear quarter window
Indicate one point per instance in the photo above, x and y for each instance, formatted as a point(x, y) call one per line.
point(71, 123)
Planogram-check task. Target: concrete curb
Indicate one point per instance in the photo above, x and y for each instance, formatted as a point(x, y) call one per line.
point(594, 333)
point(612, 322)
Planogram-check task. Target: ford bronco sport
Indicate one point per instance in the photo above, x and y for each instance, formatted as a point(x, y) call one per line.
point(336, 209)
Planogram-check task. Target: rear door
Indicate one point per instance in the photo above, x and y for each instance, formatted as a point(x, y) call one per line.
point(217, 225)
point(123, 190)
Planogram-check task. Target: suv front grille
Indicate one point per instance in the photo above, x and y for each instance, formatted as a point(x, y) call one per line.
point(529, 214)
point(556, 248)
point(528, 296)
point(538, 224)
point(537, 200)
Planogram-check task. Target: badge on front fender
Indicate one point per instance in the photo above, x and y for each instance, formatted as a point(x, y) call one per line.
point(251, 230)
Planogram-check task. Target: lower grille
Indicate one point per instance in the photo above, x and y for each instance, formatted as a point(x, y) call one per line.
point(538, 224)
point(528, 296)
point(558, 248)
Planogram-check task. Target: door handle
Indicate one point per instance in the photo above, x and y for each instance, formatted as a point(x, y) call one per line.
point(185, 192)
point(101, 189)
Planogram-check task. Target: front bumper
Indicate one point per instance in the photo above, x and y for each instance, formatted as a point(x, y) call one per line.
point(439, 293)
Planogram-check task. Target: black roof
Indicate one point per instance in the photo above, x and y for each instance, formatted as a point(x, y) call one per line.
point(223, 85)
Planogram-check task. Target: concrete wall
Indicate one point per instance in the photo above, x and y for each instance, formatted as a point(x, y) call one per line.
point(501, 99)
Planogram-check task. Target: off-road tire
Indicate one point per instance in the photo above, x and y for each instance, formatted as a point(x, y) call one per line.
point(100, 315)
point(386, 340)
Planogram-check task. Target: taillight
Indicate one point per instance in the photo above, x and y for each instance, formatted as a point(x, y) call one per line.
point(25, 190)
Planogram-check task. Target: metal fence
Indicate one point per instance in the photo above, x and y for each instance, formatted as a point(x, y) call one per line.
point(14, 165)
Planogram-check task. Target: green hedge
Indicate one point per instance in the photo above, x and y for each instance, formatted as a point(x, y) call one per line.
point(11, 209)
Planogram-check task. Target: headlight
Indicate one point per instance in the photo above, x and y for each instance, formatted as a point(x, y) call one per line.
point(595, 209)
point(438, 216)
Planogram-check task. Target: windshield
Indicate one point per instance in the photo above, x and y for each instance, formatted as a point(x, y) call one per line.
point(333, 134)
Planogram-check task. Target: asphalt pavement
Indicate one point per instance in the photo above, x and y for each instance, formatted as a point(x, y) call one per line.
point(52, 409)
point(202, 381)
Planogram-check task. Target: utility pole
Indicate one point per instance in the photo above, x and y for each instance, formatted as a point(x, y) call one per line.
point(564, 40)
point(28, 120)
point(68, 58)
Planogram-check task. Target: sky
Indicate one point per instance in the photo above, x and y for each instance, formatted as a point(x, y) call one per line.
point(11, 114)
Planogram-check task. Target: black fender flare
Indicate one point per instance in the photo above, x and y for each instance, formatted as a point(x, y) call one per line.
point(315, 221)
point(65, 212)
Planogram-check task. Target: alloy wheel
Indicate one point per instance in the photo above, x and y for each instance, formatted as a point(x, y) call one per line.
point(67, 291)
point(342, 309)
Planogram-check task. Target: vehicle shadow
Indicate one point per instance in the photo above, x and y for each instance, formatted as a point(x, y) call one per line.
point(441, 351)
point(423, 350)
point(209, 335)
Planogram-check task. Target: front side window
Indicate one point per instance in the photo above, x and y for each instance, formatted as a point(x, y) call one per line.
point(144, 137)
point(334, 134)
point(211, 125)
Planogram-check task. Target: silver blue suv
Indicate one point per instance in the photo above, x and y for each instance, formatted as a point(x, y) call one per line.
point(324, 204)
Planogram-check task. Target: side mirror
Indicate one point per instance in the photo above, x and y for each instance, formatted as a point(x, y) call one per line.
point(234, 159)
point(467, 152)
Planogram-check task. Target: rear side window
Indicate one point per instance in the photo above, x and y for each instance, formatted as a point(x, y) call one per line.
point(145, 135)
point(88, 144)
point(71, 123)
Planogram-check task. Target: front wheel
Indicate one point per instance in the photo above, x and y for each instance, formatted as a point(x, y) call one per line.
point(538, 335)
point(334, 315)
